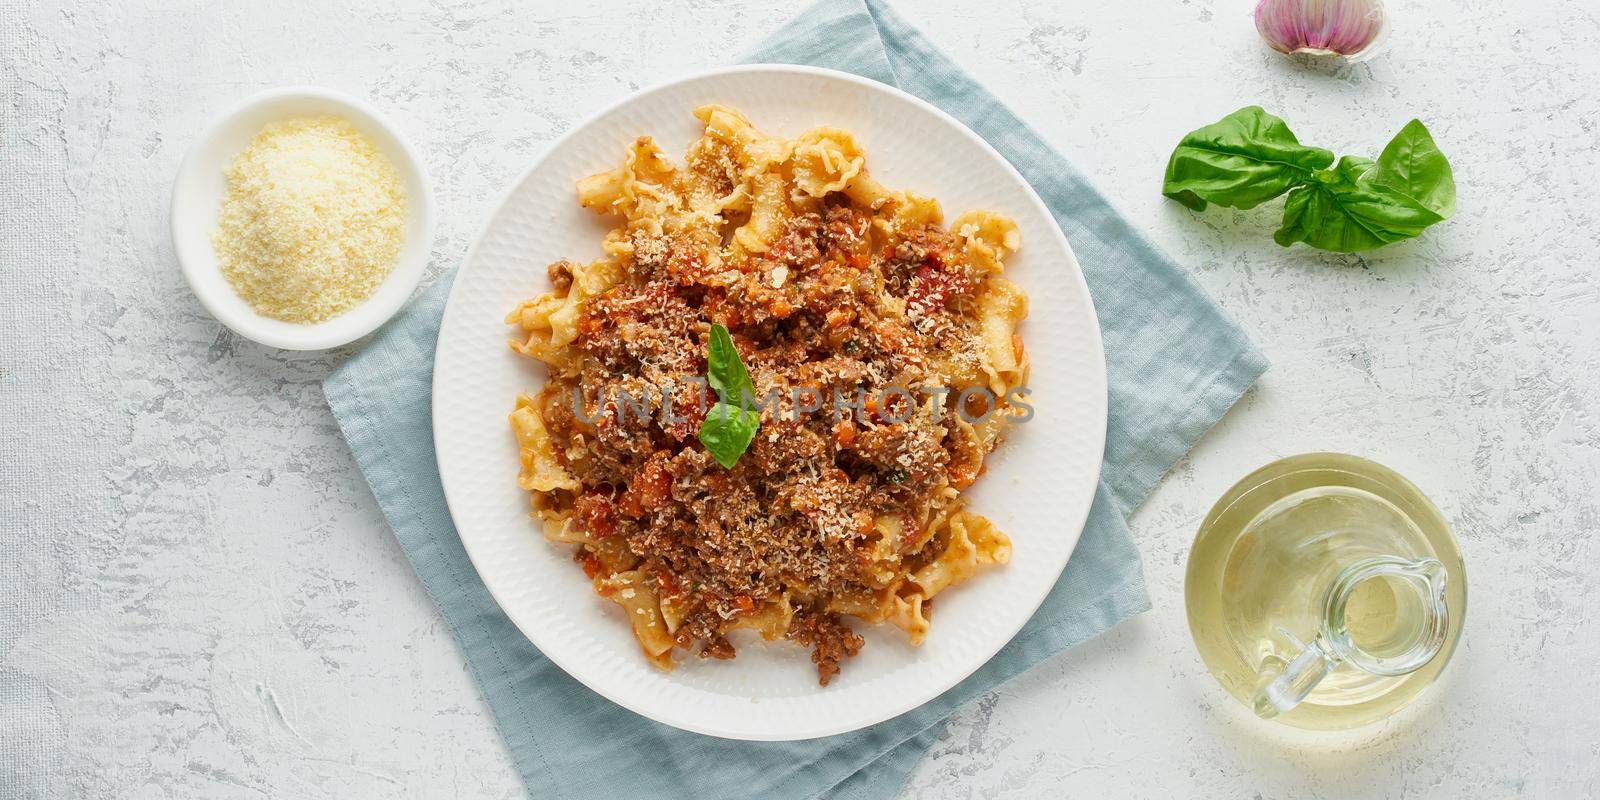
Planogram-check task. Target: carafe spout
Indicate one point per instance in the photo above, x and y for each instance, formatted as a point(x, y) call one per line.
point(1282, 684)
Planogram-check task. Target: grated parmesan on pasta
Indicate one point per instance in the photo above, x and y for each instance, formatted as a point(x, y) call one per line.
point(827, 281)
point(312, 221)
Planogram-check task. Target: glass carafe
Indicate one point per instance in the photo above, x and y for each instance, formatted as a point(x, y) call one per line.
point(1325, 591)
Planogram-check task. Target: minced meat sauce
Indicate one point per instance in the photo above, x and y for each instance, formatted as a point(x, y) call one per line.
point(837, 305)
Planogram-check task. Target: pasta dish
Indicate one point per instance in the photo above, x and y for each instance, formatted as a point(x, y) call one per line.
point(765, 400)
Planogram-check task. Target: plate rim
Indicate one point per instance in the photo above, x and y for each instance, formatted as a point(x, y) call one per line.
point(1086, 493)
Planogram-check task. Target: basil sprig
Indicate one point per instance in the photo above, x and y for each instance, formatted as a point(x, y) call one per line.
point(729, 425)
point(1250, 156)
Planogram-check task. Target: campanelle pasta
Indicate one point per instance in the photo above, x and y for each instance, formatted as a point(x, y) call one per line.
point(828, 281)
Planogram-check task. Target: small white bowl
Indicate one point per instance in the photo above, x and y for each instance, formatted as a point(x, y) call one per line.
point(197, 202)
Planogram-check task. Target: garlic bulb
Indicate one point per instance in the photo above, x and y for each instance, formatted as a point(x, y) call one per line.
point(1346, 28)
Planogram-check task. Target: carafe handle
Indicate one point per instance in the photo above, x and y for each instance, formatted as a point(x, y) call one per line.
point(1282, 688)
point(1283, 685)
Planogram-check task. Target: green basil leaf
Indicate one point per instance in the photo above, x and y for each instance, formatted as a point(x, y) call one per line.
point(724, 371)
point(1347, 209)
point(727, 432)
point(730, 424)
point(1241, 161)
point(1412, 165)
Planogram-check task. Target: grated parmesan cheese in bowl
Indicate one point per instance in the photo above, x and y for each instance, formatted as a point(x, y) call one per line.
point(302, 218)
point(313, 220)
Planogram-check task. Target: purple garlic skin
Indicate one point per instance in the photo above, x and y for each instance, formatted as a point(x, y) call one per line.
point(1346, 28)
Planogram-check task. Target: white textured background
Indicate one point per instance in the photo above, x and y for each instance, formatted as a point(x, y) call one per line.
point(199, 598)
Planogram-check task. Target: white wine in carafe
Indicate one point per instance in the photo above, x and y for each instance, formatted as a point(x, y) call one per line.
point(1325, 591)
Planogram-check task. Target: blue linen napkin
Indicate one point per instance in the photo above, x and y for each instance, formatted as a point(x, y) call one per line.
point(1175, 364)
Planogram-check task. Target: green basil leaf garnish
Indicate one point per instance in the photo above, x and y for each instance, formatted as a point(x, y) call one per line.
point(1412, 165)
point(729, 425)
point(724, 371)
point(1357, 204)
point(1345, 210)
point(1241, 161)
point(727, 432)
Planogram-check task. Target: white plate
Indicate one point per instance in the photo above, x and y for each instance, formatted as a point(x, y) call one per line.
point(197, 202)
point(1038, 488)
